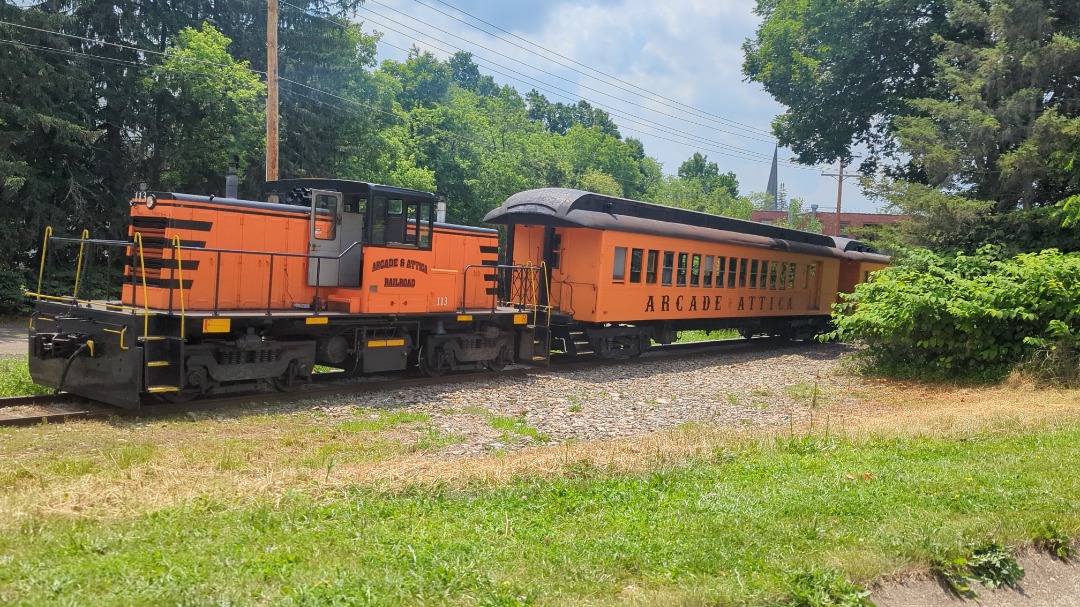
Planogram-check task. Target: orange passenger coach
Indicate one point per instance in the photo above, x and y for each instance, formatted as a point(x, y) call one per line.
point(629, 273)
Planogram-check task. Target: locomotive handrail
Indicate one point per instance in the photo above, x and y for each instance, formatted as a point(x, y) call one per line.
point(44, 250)
point(78, 266)
point(137, 243)
point(528, 269)
point(180, 277)
point(145, 297)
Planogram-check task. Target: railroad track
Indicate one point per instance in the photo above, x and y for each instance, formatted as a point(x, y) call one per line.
point(47, 409)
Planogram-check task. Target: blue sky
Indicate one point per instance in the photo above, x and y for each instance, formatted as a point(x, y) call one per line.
point(670, 74)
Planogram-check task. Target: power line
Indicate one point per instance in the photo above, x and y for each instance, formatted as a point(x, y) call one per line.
point(592, 69)
point(542, 71)
point(701, 142)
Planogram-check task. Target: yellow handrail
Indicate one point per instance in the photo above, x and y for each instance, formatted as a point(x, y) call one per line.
point(44, 248)
point(78, 267)
point(121, 333)
point(180, 277)
point(145, 296)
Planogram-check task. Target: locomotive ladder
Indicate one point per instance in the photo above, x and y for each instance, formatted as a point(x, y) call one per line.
point(163, 355)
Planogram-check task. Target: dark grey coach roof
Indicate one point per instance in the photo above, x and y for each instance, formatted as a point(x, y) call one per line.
point(562, 207)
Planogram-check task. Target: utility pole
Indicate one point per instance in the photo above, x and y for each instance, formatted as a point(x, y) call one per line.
point(839, 190)
point(271, 90)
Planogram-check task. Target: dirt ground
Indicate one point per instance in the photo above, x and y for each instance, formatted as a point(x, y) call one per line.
point(1047, 583)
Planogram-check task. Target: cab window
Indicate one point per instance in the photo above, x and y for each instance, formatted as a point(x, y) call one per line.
point(400, 222)
point(326, 216)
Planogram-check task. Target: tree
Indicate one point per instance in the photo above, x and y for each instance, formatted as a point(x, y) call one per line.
point(844, 69)
point(973, 97)
point(560, 117)
point(214, 109)
point(1002, 123)
point(707, 174)
point(47, 176)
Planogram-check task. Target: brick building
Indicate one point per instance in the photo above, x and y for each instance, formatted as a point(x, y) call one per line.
point(828, 220)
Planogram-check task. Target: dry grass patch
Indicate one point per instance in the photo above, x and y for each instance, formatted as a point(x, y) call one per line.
point(116, 469)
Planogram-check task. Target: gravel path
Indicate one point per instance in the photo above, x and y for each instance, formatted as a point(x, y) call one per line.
point(744, 390)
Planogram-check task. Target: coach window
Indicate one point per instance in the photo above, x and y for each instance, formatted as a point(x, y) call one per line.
point(650, 266)
point(669, 268)
point(783, 275)
point(680, 278)
point(695, 271)
point(742, 273)
point(635, 264)
point(772, 274)
point(763, 277)
point(791, 275)
point(706, 267)
point(753, 273)
point(732, 271)
point(618, 267)
point(721, 266)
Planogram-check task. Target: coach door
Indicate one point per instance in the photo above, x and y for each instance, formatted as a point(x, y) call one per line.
point(813, 283)
point(325, 238)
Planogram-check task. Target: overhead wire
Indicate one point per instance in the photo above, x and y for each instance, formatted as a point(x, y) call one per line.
point(732, 151)
point(702, 143)
point(575, 62)
point(284, 80)
point(541, 70)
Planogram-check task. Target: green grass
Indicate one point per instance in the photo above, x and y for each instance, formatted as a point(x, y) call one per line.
point(754, 522)
point(516, 426)
point(15, 378)
point(692, 336)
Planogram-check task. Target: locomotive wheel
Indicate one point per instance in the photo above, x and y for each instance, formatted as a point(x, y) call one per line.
point(290, 380)
point(498, 363)
point(431, 368)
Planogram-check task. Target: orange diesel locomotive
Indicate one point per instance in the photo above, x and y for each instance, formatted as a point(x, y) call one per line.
point(223, 295)
point(628, 273)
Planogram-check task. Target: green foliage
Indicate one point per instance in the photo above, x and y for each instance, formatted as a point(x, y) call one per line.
point(826, 588)
point(211, 110)
point(1054, 541)
point(707, 173)
point(970, 98)
point(990, 565)
point(15, 378)
point(970, 316)
point(843, 69)
point(801, 219)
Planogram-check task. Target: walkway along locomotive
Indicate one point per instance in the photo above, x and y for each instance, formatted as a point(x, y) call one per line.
point(222, 294)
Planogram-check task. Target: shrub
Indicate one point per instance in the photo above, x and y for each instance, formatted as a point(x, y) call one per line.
point(963, 316)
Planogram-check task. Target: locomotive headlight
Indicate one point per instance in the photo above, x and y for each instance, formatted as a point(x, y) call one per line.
point(151, 200)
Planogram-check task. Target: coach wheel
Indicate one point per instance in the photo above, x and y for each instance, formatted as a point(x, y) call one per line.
point(746, 332)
